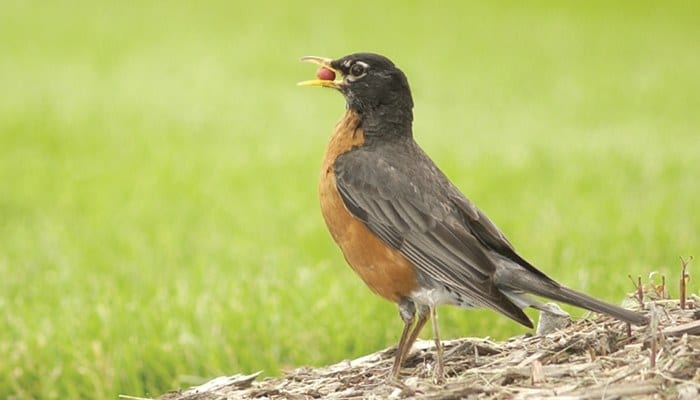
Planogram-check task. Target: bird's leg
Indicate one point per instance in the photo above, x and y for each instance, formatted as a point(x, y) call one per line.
point(440, 363)
point(407, 310)
point(423, 315)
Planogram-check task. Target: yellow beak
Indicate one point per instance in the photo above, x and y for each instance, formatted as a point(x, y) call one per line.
point(325, 63)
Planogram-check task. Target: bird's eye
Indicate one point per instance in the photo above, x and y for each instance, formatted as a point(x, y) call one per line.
point(357, 70)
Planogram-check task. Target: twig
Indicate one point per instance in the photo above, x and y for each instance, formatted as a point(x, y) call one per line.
point(691, 328)
point(537, 376)
point(639, 289)
point(664, 292)
point(685, 277)
point(654, 327)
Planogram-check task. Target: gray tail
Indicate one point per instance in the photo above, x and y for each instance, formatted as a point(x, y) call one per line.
point(552, 290)
point(578, 299)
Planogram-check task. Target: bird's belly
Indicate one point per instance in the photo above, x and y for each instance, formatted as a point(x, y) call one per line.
point(381, 267)
point(437, 296)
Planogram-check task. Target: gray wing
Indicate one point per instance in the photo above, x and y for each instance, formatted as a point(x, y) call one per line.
point(410, 205)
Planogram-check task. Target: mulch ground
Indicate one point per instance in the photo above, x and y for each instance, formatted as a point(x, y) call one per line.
point(594, 358)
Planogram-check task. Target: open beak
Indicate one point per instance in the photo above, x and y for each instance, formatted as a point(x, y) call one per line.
point(324, 63)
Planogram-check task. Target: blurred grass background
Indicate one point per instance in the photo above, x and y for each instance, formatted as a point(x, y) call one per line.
point(158, 214)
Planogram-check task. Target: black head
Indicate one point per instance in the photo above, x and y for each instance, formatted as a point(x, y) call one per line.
point(372, 86)
point(372, 81)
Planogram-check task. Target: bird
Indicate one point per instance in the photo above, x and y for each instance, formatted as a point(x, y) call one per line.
point(405, 228)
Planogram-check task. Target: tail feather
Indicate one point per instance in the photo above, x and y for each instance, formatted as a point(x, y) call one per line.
point(578, 299)
point(519, 281)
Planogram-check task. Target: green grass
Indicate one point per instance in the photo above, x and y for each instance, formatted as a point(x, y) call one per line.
point(158, 213)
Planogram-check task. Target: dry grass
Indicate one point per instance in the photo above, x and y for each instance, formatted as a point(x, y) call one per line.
point(596, 358)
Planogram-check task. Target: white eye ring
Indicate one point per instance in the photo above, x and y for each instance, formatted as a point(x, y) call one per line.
point(357, 70)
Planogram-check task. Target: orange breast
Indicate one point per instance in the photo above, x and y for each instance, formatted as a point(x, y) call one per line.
point(381, 267)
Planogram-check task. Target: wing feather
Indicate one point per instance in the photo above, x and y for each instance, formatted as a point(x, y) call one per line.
point(406, 209)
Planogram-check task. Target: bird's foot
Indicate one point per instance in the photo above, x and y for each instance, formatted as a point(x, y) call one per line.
point(439, 376)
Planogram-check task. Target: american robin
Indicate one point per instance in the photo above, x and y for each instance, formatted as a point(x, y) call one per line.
point(404, 228)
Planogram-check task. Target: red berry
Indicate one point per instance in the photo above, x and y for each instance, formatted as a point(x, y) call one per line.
point(325, 74)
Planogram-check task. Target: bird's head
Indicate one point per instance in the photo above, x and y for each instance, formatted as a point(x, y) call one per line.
point(369, 82)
